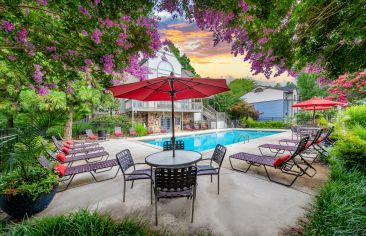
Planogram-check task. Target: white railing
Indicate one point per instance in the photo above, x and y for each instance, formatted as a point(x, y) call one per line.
point(179, 106)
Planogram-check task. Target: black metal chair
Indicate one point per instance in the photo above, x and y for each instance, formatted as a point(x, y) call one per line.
point(217, 157)
point(174, 183)
point(179, 145)
point(125, 161)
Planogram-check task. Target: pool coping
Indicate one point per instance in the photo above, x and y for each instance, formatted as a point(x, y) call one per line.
point(140, 140)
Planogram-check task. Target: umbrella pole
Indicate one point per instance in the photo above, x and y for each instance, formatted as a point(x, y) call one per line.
point(172, 93)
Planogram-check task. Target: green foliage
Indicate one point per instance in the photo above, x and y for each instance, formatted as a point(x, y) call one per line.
point(351, 151)
point(82, 222)
point(308, 87)
point(355, 115)
point(140, 129)
point(250, 123)
point(39, 180)
point(183, 59)
point(339, 207)
point(243, 109)
point(223, 101)
point(109, 122)
point(360, 131)
point(79, 127)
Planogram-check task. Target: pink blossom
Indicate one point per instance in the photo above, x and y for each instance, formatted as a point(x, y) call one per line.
point(108, 23)
point(243, 5)
point(22, 34)
point(37, 74)
point(108, 63)
point(84, 11)
point(249, 18)
point(51, 48)
point(11, 57)
point(42, 2)
point(8, 26)
point(96, 35)
point(84, 32)
point(70, 90)
point(263, 40)
point(88, 62)
point(43, 90)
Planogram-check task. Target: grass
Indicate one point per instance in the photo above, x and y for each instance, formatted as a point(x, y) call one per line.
point(80, 223)
point(340, 206)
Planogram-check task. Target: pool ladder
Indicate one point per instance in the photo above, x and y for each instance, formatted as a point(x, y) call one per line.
point(244, 138)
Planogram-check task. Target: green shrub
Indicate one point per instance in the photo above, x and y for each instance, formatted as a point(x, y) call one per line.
point(355, 115)
point(140, 129)
point(80, 223)
point(79, 127)
point(339, 207)
point(360, 131)
point(250, 123)
point(350, 150)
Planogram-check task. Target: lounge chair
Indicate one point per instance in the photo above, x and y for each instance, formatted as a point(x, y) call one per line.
point(210, 169)
point(132, 131)
point(287, 164)
point(125, 161)
point(163, 131)
point(68, 173)
point(175, 183)
point(280, 149)
point(68, 160)
point(179, 145)
point(76, 142)
point(118, 131)
point(73, 151)
point(204, 126)
point(72, 145)
point(90, 134)
point(150, 130)
point(188, 128)
point(196, 126)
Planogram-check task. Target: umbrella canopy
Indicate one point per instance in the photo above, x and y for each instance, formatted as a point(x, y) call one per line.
point(170, 88)
point(315, 108)
point(161, 88)
point(317, 102)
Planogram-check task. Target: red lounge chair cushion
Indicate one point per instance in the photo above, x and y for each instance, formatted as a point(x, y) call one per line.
point(133, 133)
point(69, 142)
point(280, 160)
point(67, 145)
point(308, 143)
point(319, 140)
point(150, 132)
point(92, 137)
point(163, 131)
point(117, 133)
point(66, 151)
point(61, 157)
point(60, 169)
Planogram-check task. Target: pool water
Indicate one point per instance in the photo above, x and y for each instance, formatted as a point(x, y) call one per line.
point(206, 141)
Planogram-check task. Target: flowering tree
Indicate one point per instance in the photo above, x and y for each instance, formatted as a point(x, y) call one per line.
point(349, 87)
point(74, 47)
point(284, 35)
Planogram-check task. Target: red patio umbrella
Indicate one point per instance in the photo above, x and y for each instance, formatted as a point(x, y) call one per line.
point(313, 103)
point(170, 88)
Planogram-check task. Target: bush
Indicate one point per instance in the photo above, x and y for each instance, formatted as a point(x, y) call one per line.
point(80, 223)
point(140, 129)
point(250, 123)
point(350, 150)
point(355, 115)
point(339, 207)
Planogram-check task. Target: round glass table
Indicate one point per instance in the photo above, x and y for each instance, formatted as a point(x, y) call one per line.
point(165, 158)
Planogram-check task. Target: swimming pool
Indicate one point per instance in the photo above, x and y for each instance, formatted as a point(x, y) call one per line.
point(206, 141)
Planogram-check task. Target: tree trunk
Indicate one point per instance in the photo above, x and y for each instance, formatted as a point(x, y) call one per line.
point(10, 121)
point(68, 124)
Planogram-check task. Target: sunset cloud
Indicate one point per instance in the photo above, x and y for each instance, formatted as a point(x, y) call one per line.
point(209, 61)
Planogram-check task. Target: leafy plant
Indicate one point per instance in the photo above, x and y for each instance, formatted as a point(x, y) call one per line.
point(355, 115)
point(140, 129)
point(351, 151)
point(82, 222)
point(243, 109)
point(250, 123)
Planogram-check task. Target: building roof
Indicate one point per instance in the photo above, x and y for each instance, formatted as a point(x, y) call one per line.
point(265, 94)
point(187, 73)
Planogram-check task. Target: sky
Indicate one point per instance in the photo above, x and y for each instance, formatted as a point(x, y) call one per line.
point(208, 61)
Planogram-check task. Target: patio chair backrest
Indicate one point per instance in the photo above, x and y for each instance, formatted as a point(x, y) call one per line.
point(131, 129)
point(44, 161)
point(330, 131)
point(188, 126)
point(169, 179)
point(196, 126)
point(117, 129)
point(179, 145)
point(294, 128)
point(89, 132)
point(57, 143)
point(125, 160)
point(301, 146)
point(316, 136)
point(219, 154)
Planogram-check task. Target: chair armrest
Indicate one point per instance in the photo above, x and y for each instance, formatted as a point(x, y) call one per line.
point(140, 163)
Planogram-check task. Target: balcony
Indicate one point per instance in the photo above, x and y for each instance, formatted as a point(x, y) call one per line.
point(179, 106)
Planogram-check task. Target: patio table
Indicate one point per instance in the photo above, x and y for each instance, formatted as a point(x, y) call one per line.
point(166, 159)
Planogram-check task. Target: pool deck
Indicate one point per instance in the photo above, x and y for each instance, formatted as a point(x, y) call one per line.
point(248, 203)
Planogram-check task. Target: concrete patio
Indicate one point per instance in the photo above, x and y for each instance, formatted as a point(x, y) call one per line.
point(248, 203)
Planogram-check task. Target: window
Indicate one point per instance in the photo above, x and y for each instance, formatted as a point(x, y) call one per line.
point(165, 68)
point(177, 120)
